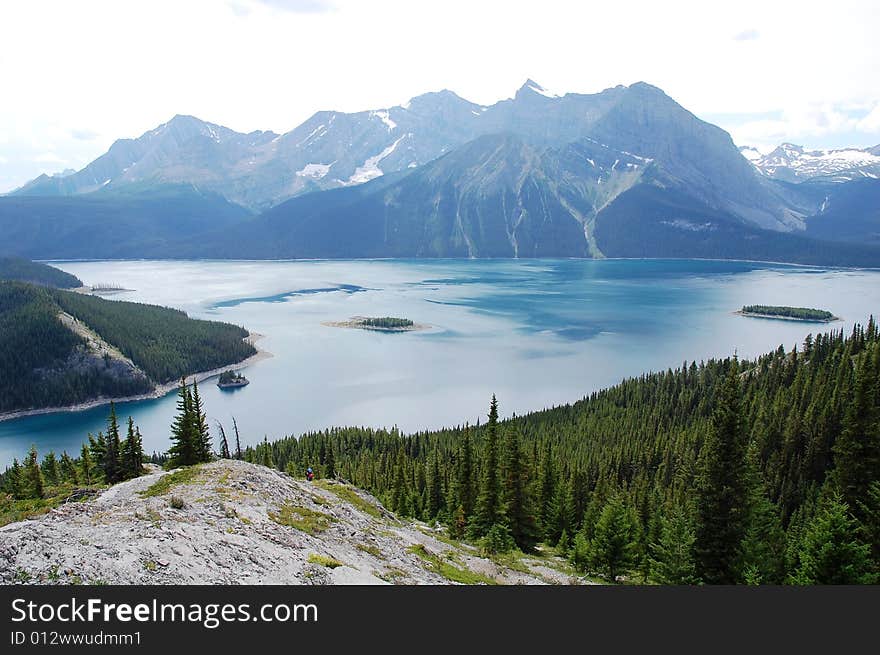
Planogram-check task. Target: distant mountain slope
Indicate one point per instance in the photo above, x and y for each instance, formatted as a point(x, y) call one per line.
point(24, 270)
point(651, 221)
point(336, 149)
point(59, 348)
point(501, 196)
point(793, 163)
point(135, 224)
point(849, 212)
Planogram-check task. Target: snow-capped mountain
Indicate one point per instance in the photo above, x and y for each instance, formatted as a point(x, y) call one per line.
point(793, 163)
point(335, 149)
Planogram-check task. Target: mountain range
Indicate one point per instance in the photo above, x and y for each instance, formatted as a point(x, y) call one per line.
point(624, 172)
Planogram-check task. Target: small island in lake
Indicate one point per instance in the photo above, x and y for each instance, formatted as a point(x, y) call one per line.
point(381, 324)
point(788, 313)
point(232, 380)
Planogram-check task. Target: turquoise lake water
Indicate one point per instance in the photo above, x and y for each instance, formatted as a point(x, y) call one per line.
point(535, 332)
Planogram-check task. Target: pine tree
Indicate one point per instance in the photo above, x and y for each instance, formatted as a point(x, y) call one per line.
point(857, 449)
point(722, 496)
point(489, 509)
point(517, 496)
point(830, 552)
point(49, 468)
point(329, 463)
point(267, 453)
point(763, 547)
point(434, 500)
point(185, 449)
point(870, 511)
point(13, 481)
point(466, 477)
point(85, 464)
point(132, 455)
point(202, 435)
point(224, 444)
point(238, 454)
point(33, 476)
point(67, 469)
point(672, 557)
point(98, 449)
point(546, 494)
point(112, 464)
point(613, 546)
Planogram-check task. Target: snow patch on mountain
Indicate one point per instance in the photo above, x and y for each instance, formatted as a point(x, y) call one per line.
point(370, 168)
point(315, 171)
point(385, 118)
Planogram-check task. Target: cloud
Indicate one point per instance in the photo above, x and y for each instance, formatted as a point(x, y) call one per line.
point(48, 158)
point(871, 122)
point(84, 134)
point(245, 7)
point(3, 160)
point(750, 34)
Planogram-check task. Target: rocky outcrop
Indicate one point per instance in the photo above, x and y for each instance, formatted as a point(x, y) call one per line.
point(231, 522)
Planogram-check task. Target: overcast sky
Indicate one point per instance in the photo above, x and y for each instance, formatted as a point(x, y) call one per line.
point(78, 75)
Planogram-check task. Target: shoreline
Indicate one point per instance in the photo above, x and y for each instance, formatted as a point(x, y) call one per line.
point(160, 390)
point(789, 318)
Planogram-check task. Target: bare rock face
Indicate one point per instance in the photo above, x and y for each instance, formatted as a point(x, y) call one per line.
point(230, 522)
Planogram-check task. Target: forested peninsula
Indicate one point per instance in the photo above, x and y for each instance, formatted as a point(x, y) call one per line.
point(60, 349)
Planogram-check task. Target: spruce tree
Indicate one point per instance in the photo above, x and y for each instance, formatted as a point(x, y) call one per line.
point(98, 449)
point(830, 551)
point(613, 547)
point(33, 476)
point(49, 467)
point(238, 454)
point(67, 469)
point(112, 462)
point(132, 452)
point(672, 556)
point(763, 546)
point(202, 435)
point(489, 509)
point(13, 480)
point(517, 494)
point(857, 449)
point(329, 463)
point(722, 495)
point(546, 494)
point(434, 499)
point(185, 447)
point(85, 464)
point(224, 444)
point(466, 476)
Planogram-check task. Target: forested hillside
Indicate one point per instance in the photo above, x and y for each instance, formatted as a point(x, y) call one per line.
point(45, 363)
point(24, 270)
point(728, 471)
point(164, 342)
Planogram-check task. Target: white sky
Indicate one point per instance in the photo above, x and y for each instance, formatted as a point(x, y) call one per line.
point(74, 76)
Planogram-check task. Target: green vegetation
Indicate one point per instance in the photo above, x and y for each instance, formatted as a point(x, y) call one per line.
point(447, 569)
point(324, 560)
point(351, 496)
point(760, 472)
point(231, 377)
point(167, 482)
point(799, 313)
point(386, 323)
point(43, 362)
point(24, 270)
point(32, 487)
point(302, 518)
point(165, 343)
